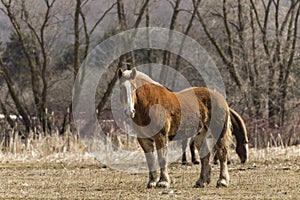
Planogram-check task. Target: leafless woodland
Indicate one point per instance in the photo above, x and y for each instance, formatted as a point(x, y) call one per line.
point(255, 44)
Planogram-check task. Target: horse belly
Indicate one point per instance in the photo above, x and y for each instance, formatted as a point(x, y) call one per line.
point(188, 127)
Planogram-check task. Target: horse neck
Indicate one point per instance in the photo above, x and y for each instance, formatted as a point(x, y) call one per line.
point(239, 133)
point(148, 92)
point(239, 137)
point(239, 128)
point(144, 90)
point(140, 82)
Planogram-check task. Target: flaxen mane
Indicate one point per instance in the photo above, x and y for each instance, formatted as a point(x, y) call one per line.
point(145, 78)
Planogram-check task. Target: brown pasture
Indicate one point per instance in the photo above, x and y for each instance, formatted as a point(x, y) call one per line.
point(270, 174)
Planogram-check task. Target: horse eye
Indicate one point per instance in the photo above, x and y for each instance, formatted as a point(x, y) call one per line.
point(134, 86)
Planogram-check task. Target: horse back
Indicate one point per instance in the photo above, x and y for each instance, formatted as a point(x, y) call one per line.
point(212, 108)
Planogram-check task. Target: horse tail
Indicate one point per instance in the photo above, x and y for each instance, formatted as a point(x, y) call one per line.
point(229, 129)
point(238, 126)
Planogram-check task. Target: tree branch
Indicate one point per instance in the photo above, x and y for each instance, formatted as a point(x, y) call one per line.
point(14, 97)
point(141, 13)
point(101, 18)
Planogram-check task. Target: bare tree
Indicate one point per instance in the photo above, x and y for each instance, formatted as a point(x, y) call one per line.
point(81, 33)
point(77, 37)
point(227, 58)
point(88, 32)
point(186, 33)
point(167, 54)
point(19, 106)
point(125, 58)
point(281, 56)
point(37, 54)
point(245, 24)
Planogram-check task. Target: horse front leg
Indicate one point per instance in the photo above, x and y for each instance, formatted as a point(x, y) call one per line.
point(161, 142)
point(147, 145)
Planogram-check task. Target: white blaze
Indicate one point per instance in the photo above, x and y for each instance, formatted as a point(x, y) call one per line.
point(247, 150)
point(130, 102)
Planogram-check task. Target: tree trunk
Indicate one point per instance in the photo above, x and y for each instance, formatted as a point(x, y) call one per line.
point(167, 54)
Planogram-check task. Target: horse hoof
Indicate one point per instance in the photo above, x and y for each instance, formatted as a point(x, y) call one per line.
point(199, 185)
point(183, 163)
point(163, 184)
point(222, 183)
point(151, 184)
point(216, 162)
point(196, 162)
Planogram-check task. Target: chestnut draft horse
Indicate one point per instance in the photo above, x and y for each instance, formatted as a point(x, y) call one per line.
point(159, 115)
point(238, 130)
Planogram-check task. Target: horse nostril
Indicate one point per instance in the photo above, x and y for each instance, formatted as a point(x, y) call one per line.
point(132, 114)
point(126, 112)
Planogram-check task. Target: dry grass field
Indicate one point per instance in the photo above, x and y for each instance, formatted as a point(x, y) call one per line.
point(270, 174)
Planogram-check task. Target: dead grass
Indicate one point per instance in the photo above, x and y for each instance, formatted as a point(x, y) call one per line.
point(79, 176)
point(59, 167)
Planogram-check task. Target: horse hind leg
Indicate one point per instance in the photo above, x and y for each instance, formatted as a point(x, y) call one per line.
point(222, 152)
point(204, 154)
point(148, 147)
point(195, 161)
point(192, 149)
point(216, 159)
point(205, 173)
point(224, 175)
point(183, 146)
point(222, 148)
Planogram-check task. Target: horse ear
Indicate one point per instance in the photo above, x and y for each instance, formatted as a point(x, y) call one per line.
point(120, 72)
point(133, 73)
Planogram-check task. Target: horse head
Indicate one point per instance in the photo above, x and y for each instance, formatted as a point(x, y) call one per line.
point(240, 132)
point(128, 90)
point(242, 150)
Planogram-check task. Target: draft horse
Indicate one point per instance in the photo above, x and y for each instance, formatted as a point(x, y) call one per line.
point(238, 130)
point(182, 116)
